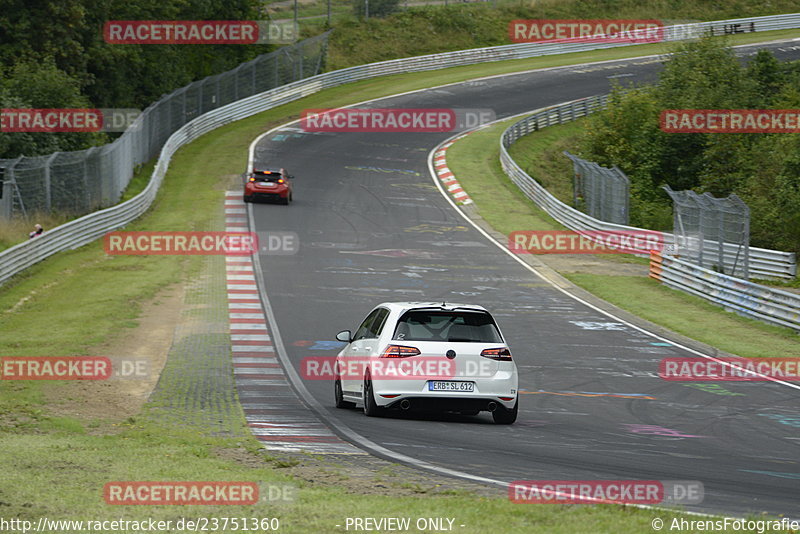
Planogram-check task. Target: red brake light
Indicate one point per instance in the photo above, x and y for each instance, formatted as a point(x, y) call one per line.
point(399, 351)
point(281, 181)
point(500, 355)
point(252, 178)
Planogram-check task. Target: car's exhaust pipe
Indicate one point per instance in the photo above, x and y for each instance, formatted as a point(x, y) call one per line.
point(492, 406)
point(405, 404)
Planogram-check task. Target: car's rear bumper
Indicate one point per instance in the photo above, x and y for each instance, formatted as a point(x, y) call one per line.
point(254, 191)
point(258, 195)
point(450, 404)
point(502, 389)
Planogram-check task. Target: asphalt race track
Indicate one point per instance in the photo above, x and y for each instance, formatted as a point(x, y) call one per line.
point(373, 227)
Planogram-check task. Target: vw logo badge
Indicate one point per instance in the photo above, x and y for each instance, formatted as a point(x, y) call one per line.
point(450, 354)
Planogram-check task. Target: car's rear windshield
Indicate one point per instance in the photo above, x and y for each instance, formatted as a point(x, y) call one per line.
point(267, 176)
point(453, 326)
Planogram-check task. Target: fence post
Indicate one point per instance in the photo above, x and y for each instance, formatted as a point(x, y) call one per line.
point(11, 189)
point(48, 186)
point(87, 195)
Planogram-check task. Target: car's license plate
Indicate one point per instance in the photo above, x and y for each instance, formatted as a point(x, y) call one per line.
point(267, 184)
point(451, 385)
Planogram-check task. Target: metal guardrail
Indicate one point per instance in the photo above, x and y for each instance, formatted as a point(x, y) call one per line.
point(82, 181)
point(764, 263)
point(89, 227)
point(745, 298)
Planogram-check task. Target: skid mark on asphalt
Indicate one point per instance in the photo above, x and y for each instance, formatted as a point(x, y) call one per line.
point(273, 412)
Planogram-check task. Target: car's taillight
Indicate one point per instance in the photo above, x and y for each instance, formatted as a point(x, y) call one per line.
point(501, 355)
point(399, 351)
point(281, 181)
point(252, 178)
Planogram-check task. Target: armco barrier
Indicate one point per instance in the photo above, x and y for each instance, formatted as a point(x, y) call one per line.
point(745, 298)
point(81, 231)
point(764, 263)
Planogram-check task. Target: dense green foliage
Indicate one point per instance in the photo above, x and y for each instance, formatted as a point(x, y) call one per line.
point(763, 169)
point(52, 55)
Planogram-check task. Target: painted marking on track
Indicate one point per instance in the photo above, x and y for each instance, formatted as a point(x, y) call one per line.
point(435, 228)
point(655, 430)
point(790, 420)
point(381, 169)
point(716, 389)
point(397, 253)
point(594, 325)
point(590, 394)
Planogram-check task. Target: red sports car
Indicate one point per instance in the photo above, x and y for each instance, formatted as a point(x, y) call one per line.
point(268, 184)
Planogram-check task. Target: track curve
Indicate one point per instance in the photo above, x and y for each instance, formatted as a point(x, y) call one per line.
point(373, 227)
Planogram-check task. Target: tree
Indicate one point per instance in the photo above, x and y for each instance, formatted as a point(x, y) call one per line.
point(42, 85)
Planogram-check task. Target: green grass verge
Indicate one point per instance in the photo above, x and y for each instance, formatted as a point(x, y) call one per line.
point(542, 157)
point(78, 299)
point(459, 26)
point(475, 162)
point(60, 476)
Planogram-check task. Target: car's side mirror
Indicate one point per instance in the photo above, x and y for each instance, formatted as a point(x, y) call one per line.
point(344, 336)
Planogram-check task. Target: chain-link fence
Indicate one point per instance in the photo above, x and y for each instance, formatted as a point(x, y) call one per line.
point(86, 180)
point(600, 192)
point(702, 226)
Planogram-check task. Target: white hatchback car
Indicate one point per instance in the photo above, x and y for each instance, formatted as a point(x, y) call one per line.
point(427, 356)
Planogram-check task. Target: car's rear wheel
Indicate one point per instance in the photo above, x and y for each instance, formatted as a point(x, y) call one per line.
point(371, 408)
point(285, 201)
point(246, 198)
point(337, 392)
point(504, 416)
